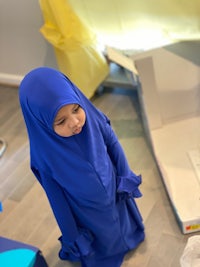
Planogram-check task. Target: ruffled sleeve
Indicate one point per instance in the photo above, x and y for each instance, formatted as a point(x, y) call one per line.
point(127, 182)
point(75, 241)
point(81, 247)
point(128, 186)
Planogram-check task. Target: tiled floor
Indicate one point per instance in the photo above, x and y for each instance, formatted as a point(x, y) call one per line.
point(27, 217)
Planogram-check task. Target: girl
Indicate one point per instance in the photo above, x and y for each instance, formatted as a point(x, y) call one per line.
point(79, 162)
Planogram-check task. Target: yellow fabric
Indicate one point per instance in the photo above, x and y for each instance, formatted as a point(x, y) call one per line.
point(138, 24)
point(75, 45)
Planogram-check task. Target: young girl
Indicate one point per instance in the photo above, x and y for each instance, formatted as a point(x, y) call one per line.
point(79, 162)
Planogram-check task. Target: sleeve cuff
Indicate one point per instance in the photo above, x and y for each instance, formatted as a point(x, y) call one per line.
point(80, 248)
point(129, 185)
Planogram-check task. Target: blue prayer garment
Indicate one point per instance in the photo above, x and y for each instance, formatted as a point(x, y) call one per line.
point(86, 176)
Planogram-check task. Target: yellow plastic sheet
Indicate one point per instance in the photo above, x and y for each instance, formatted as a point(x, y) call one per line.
point(75, 46)
point(141, 24)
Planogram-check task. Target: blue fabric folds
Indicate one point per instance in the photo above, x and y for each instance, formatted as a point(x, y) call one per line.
point(127, 187)
point(80, 248)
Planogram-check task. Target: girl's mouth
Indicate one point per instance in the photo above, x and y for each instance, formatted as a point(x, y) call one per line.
point(77, 131)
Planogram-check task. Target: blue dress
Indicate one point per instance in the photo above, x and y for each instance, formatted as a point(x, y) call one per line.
point(86, 177)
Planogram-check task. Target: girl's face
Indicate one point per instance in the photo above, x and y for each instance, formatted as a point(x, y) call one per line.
point(69, 120)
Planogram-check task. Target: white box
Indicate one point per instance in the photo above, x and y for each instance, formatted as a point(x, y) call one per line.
point(169, 95)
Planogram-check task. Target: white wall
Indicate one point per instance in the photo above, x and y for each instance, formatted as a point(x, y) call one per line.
point(22, 46)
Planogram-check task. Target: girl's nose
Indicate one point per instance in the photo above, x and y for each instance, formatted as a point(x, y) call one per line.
point(73, 122)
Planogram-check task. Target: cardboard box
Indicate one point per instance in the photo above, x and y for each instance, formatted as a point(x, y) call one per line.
point(169, 94)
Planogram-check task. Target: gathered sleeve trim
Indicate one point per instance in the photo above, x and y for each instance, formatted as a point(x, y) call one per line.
point(128, 186)
point(81, 247)
point(75, 241)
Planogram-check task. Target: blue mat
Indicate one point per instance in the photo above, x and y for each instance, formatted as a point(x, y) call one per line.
point(14, 253)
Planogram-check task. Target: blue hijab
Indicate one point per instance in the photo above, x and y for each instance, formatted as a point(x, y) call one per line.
point(43, 92)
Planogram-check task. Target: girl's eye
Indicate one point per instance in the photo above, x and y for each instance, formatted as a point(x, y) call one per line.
point(61, 122)
point(76, 108)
